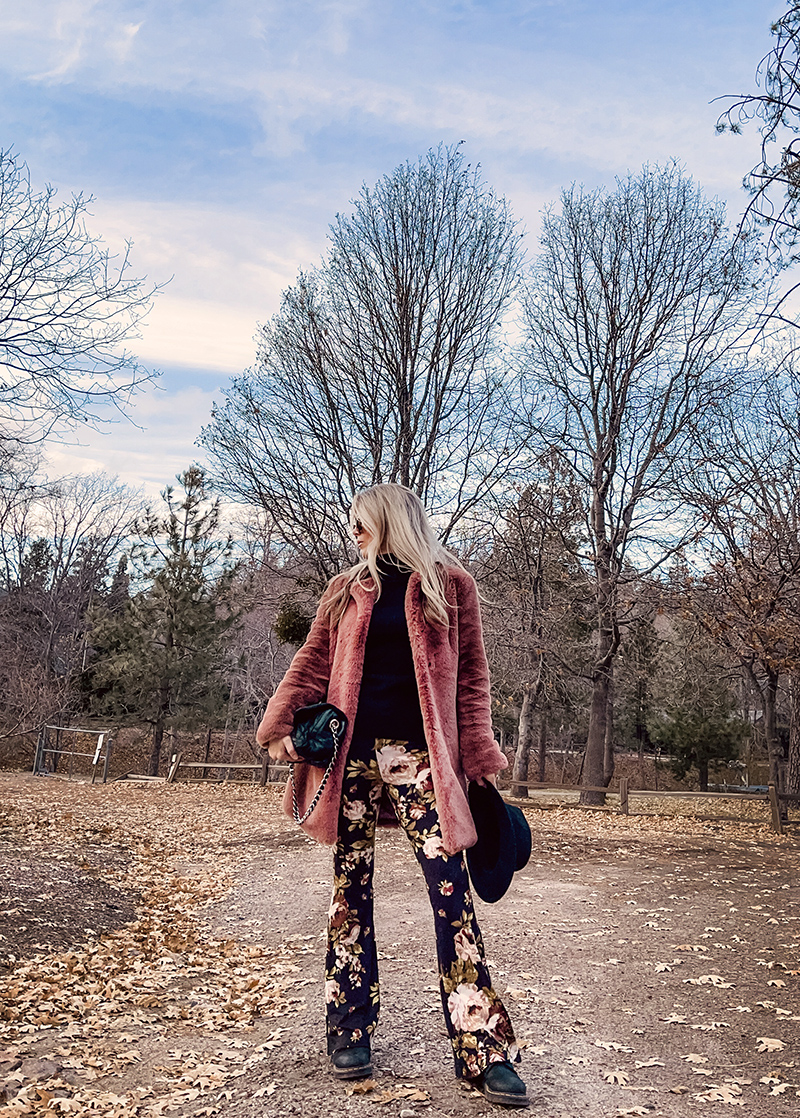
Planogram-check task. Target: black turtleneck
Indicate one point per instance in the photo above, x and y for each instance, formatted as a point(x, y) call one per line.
point(388, 703)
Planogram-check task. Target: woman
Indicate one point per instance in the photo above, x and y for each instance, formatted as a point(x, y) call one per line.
point(397, 646)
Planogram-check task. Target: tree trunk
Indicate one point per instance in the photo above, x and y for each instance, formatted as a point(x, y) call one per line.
point(155, 753)
point(793, 771)
point(640, 729)
point(207, 752)
point(593, 768)
point(542, 746)
point(607, 642)
point(702, 774)
point(608, 745)
point(769, 698)
point(594, 759)
point(524, 741)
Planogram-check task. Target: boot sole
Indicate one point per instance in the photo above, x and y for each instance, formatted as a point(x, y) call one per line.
point(505, 1098)
point(361, 1072)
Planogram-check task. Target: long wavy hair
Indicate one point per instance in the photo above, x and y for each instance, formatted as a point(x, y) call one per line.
point(399, 526)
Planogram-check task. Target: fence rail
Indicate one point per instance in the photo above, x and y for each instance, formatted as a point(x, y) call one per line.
point(177, 763)
point(778, 802)
point(57, 751)
point(780, 816)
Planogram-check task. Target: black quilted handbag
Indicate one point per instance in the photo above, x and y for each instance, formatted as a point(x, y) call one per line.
point(318, 730)
point(317, 734)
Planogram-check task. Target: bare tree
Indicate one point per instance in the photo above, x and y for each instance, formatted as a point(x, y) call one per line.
point(385, 364)
point(58, 542)
point(536, 595)
point(774, 183)
point(748, 491)
point(66, 309)
point(634, 308)
point(746, 601)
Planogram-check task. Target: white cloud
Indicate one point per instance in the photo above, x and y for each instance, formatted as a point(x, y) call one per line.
point(228, 270)
point(150, 457)
point(312, 64)
point(123, 45)
point(335, 85)
point(202, 333)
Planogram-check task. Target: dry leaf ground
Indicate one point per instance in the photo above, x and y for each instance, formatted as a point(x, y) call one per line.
point(161, 955)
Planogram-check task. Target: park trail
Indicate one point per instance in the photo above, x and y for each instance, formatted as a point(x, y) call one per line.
point(650, 966)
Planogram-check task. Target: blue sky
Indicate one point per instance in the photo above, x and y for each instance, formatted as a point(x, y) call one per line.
point(222, 137)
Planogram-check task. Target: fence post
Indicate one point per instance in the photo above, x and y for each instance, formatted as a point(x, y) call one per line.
point(96, 758)
point(264, 768)
point(109, 743)
point(38, 751)
point(623, 795)
point(174, 765)
point(775, 806)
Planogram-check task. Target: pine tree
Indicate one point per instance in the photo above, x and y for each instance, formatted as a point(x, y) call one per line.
point(162, 658)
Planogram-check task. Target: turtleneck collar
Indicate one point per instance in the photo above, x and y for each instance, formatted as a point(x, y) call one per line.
point(389, 566)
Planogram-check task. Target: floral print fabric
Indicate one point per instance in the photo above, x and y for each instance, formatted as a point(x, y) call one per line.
point(477, 1022)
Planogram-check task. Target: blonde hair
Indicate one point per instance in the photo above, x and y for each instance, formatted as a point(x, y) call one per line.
point(396, 520)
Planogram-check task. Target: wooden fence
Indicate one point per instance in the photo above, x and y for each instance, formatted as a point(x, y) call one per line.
point(199, 770)
point(779, 802)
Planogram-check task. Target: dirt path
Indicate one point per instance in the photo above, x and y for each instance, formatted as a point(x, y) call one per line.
point(651, 967)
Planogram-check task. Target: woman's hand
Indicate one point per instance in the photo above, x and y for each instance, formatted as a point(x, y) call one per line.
point(282, 749)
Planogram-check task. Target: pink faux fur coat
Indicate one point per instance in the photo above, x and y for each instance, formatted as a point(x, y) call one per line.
point(453, 679)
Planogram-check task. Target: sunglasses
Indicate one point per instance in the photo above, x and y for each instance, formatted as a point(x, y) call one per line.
point(358, 528)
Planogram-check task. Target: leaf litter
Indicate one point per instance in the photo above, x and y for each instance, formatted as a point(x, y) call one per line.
point(98, 1010)
point(160, 973)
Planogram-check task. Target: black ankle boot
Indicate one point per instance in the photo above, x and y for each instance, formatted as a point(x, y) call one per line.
point(501, 1085)
point(351, 1063)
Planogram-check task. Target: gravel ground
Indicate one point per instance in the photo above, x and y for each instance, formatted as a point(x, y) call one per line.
point(619, 955)
point(650, 965)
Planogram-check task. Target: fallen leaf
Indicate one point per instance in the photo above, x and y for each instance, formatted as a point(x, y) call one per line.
point(403, 1092)
point(616, 1076)
point(769, 1044)
point(729, 1093)
point(710, 980)
point(362, 1087)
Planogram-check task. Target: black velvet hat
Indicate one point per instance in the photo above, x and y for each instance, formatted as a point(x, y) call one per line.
point(504, 842)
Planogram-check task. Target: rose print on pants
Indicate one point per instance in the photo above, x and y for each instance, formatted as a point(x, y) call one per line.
point(395, 764)
point(469, 1007)
point(477, 1022)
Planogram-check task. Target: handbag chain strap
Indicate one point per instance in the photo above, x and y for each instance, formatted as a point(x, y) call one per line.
point(334, 727)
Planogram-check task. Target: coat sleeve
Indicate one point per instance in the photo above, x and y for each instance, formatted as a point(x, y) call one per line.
point(305, 682)
point(480, 754)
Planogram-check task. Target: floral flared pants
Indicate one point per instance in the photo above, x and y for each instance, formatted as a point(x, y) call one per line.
point(477, 1022)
